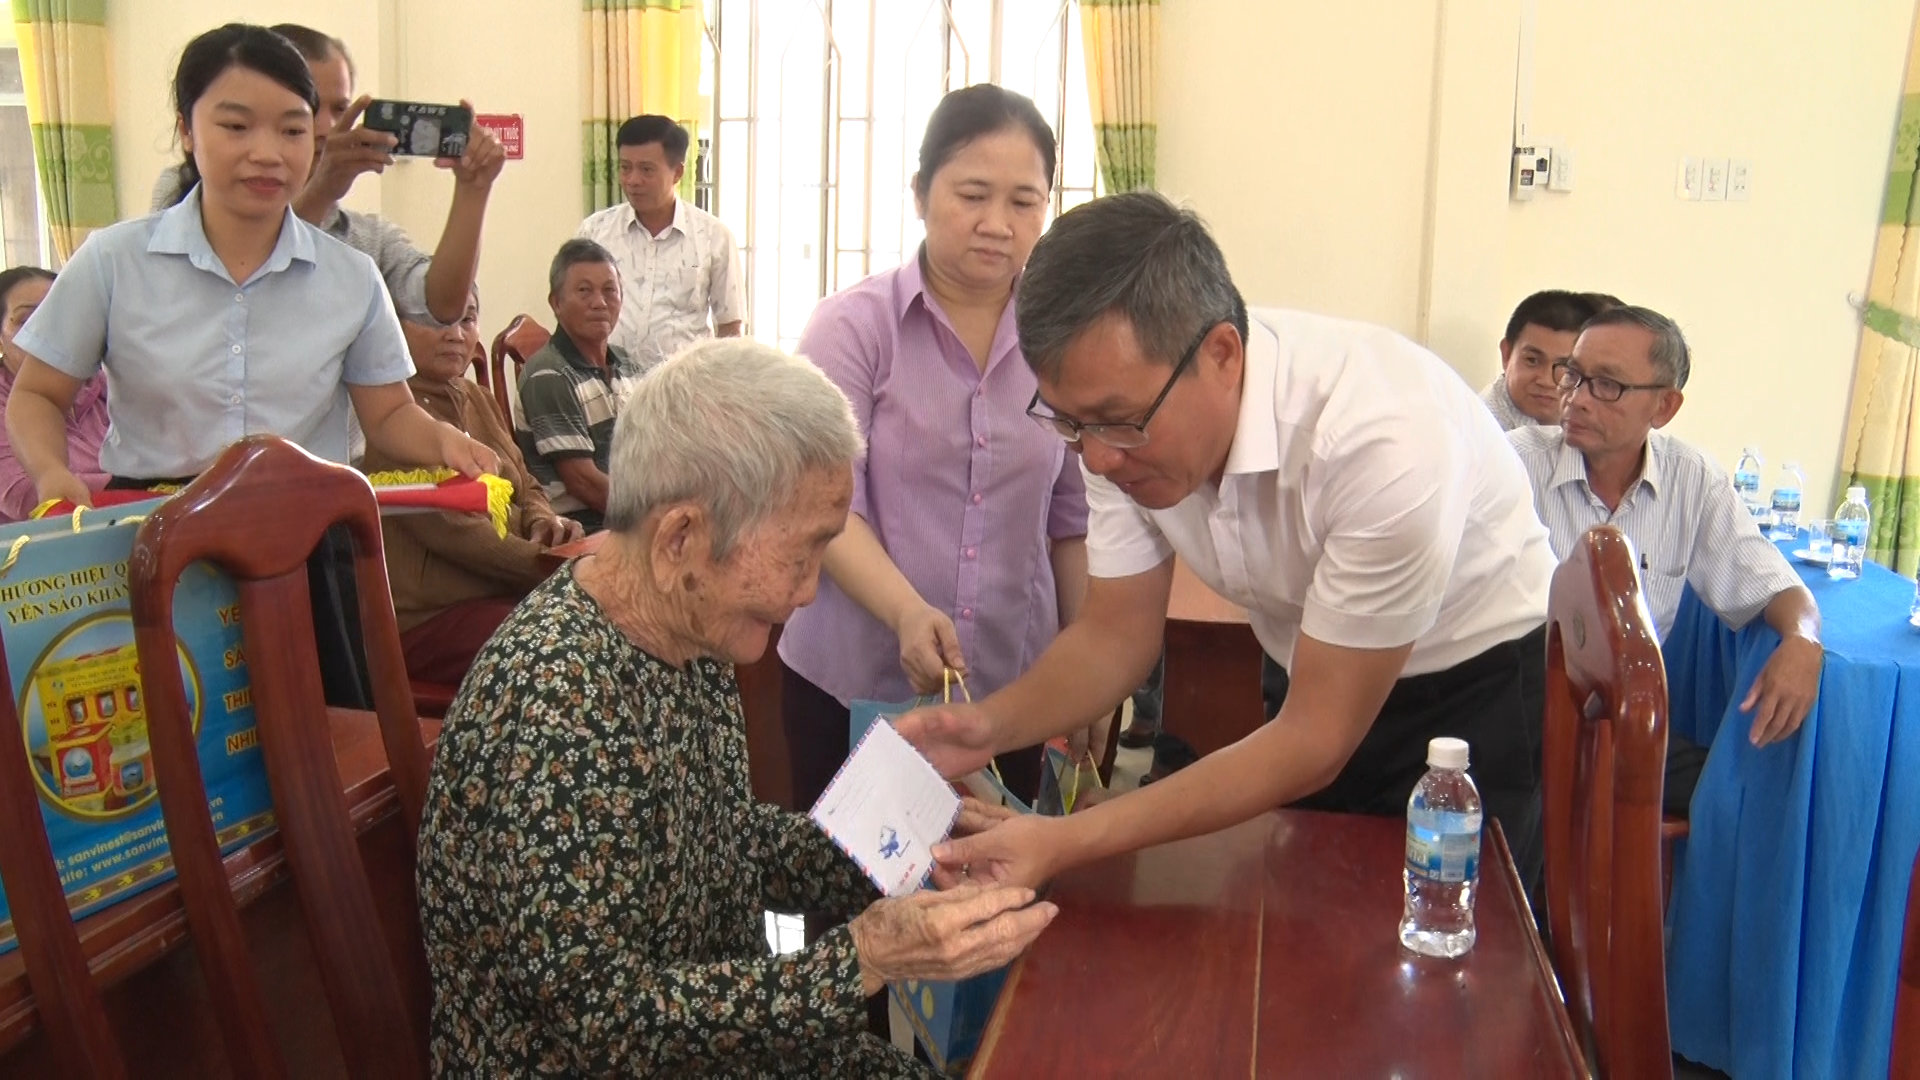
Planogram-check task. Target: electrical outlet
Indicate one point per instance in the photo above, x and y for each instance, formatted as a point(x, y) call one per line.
point(1687, 183)
point(1739, 180)
point(1713, 184)
point(1560, 173)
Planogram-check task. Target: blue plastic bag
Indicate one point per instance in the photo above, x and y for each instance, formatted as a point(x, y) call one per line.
point(948, 1018)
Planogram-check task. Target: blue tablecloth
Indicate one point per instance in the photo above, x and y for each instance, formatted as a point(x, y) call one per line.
point(1789, 895)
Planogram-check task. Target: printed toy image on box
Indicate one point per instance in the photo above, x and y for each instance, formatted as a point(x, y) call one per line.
point(75, 677)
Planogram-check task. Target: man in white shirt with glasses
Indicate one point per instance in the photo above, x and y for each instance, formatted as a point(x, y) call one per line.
point(1341, 483)
point(1610, 464)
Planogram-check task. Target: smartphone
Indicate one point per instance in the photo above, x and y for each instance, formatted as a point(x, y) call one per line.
point(435, 131)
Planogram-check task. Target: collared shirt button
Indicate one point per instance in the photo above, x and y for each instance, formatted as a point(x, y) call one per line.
point(966, 613)
point(239, 298)
point(976, 498)
point(236, 350)
point(234, 400)
point(971, 552)
point(981, 441)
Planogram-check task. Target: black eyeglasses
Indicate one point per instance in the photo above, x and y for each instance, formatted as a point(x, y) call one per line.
point(1119, 436)
point(1570, 378)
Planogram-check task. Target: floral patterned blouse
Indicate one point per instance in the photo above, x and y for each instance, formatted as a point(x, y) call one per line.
point(593, 874)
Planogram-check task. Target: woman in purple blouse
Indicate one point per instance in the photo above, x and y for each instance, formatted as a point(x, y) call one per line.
point(21, 290)
point(966, 545)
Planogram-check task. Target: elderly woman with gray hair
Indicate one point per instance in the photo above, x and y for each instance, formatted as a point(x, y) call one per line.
point(593, 870)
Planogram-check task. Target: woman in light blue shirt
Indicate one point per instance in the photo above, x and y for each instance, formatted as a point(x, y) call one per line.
point(226, 315)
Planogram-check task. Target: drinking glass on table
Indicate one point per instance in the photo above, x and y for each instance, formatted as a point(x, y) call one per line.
point(1820, 539)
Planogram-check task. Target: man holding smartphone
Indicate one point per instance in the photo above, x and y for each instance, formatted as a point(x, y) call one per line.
point(425, 288)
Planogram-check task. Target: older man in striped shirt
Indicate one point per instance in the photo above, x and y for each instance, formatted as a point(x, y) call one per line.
point(1608, 464)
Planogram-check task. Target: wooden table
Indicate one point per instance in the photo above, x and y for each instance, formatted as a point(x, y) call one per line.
point(1213, 668)
point(1271, 949)
point(155, 997)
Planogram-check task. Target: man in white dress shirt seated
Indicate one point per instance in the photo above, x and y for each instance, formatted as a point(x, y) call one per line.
point(1609, 464)
point(1338, 481)
point(1539, 335)
point(679, 267)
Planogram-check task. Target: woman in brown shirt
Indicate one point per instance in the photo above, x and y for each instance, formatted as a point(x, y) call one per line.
point(454, 578)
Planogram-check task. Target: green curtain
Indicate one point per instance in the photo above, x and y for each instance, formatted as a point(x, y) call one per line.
point(1119, 39)
point(1882, 449)
point(642, 56)
point(63, 61)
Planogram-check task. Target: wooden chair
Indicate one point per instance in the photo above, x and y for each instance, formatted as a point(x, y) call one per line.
point(257, 515)
point(1906, 1008)
point(1603, 755)
point(518, 342)
point(478, 367)
point(64, 992)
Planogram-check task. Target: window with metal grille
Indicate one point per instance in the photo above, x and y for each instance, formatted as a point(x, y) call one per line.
point(23, 220)
point(817, 111)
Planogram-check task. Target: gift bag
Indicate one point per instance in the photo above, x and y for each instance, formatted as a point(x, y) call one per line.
point(948, 1018)
point(1067, 783)
point(74, 673)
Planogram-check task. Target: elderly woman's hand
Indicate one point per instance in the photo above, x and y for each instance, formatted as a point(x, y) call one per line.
point(945, 935)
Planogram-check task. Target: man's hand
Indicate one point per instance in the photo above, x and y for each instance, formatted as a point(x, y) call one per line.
point(1784, 691)
point(929, 646)
point(975, 817)
point(550, 532)
point(1023, 850)
point(346, 153)
point(957, 739)
point(480, 166)
point(466, 455)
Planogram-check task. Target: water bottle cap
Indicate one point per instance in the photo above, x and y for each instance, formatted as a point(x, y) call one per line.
point(1857, 492)
point(1444, 753)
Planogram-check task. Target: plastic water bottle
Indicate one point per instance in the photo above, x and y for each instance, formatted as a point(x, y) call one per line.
point(1786, 503)
point(1850, 531)
point(1746, 483)
point(1443, 854)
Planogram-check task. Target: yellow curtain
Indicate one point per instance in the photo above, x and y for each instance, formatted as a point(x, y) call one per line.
point(1882, 449)
point(63, 62)
point(1119, 37)
point(643, 56)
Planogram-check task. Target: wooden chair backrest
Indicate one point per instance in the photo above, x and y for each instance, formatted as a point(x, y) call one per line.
point(479, 367)
point(1906, 1008)
point(518, 342)
point(1604, 759)
point(258, 514)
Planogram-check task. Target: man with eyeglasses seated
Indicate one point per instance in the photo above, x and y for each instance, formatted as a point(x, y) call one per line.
point(1338, 481)
point(1609, 464)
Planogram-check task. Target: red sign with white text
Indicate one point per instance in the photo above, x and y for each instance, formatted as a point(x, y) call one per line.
point(509, 129)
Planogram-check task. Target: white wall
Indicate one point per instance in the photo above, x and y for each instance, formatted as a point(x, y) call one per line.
point(506, 55)
point(1352, 159)
point(1300, 131)
point(147, 36)
point(1808, 93)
